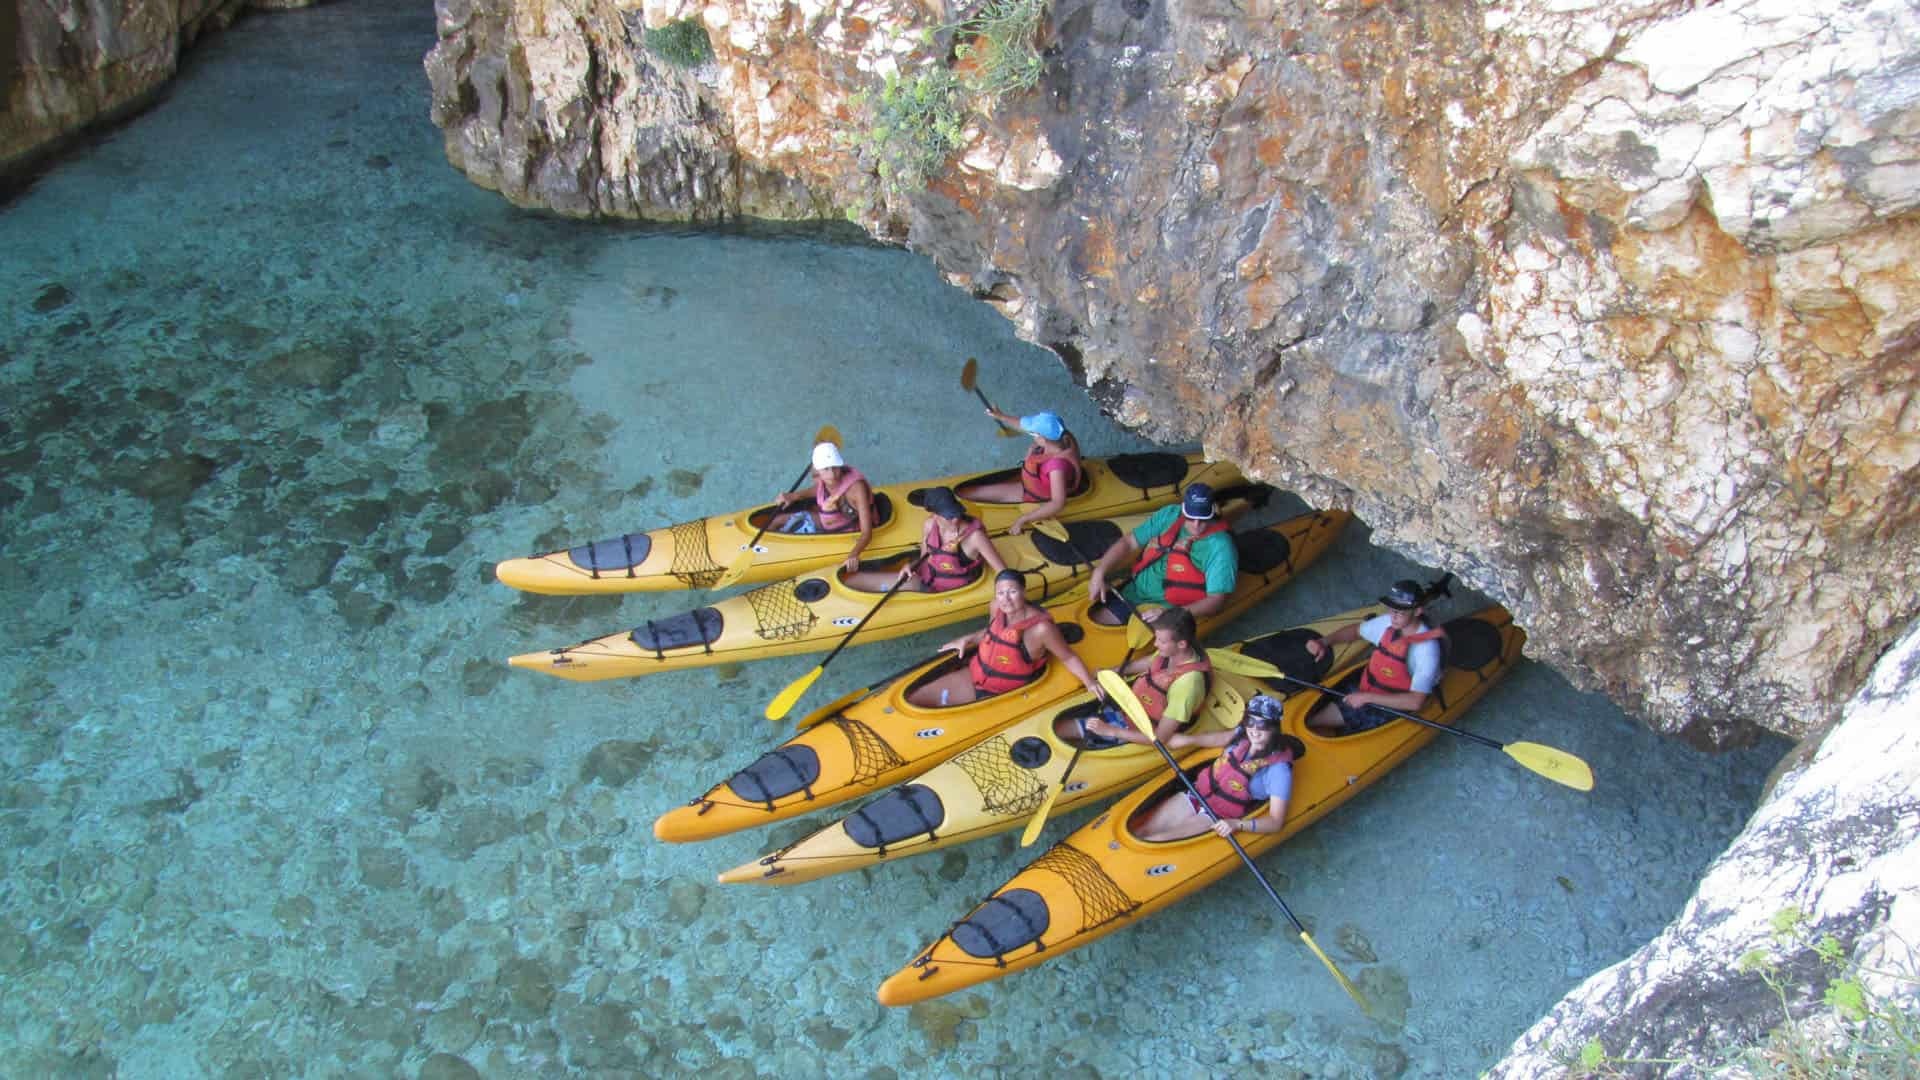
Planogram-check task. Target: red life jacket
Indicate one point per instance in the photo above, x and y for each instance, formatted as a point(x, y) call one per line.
point(1152, 691)
point(949, 568)
point(1033, 475)
point(1387, 670)
point(833, 514)
point(1185, 583)
point(1227, 786)
point(1001, 663)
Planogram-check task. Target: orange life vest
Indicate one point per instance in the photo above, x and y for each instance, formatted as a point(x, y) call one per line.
point(949, 568)
point(1152, 691)
point(1001, 663)
point(1387, 670)
point(1227, 785)
point(1186, 583)
point(830, 510)
point(1033, 475)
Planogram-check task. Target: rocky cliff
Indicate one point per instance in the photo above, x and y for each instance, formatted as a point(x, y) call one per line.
point(1608, 307)
point(65, 64)
point(1603, 306)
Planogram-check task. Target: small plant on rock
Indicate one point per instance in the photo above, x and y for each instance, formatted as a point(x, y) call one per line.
point(682, 43)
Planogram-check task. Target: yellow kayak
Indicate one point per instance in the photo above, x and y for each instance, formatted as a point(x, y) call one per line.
point(693, 554)
point(813, 612)
point(875, 737)
point(1102, 877)
point(998, 783)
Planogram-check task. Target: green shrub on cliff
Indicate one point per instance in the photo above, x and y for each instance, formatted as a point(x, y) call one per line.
point(1861, 1037)
point(914, 121)
point(682, 43)
point(912, 125)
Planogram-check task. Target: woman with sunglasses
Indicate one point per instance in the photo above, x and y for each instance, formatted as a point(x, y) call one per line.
point(1256, 768)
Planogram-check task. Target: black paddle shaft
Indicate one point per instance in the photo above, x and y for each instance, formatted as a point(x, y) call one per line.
point(1434, 724)
point(795, 486)
point(871, 612)
point(1237, 849)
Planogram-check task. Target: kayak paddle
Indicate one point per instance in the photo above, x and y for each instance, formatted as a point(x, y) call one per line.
point(1180, 701)
point(784, 701)
point(1556, 765)
point(1123, 695)
point(1139, 633)
point(967, 376)
point(742, 561)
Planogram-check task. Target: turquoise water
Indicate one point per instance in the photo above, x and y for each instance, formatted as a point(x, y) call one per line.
point(280, 385)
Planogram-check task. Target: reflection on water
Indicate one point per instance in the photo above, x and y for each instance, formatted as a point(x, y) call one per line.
point(280, 385)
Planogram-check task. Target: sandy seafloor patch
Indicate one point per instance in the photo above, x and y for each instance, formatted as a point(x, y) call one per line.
point(279, 385)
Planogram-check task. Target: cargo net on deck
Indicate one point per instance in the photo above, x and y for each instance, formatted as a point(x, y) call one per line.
point(778, 614)
point(692, 563)
point(1101, 901)
point(1005, 788)
point(872, 756)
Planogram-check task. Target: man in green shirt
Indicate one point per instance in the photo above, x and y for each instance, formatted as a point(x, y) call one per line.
point(1182, 555)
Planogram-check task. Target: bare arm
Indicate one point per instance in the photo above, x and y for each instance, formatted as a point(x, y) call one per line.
point(1125, 549)
point(1273, 820)
point(1182, 739)
point(983, 548)
point(1056, 502)
point(1055, 643)
point(1317, 646)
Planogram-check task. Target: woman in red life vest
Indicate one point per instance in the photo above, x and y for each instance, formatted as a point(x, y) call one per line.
point(1402, 670)
point(1255, 769)
point(842, 501)
point(1176, 655)
point(1049, 474)
point(1181, 555)
point(1011, 651)
point(954, 552)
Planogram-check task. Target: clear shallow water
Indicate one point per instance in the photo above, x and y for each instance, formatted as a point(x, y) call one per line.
point(279, 386)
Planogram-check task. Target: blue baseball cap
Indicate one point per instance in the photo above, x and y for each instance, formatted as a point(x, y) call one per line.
point(1197, 503)
point(1044, 424)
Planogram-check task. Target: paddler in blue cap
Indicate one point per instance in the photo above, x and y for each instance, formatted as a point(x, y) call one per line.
point(1183, 555)
point(1049, 474)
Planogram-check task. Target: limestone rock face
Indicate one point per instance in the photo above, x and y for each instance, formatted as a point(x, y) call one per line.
point(560, 105)
point(1608, 307)
point(1838, 840)
point(66, 64)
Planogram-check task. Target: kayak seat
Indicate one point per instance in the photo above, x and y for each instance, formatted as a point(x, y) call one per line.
point(1088, 539)
point(699, 627)
point(1262, 550)
point(779, 772)
point(1287, 650)
point(1470, 645)
point(908, 811)
point(882, 513)
point(619, 553)
point(1002, 924)
point(1151, 470)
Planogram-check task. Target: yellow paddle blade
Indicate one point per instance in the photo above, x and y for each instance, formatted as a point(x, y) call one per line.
point(1139, 632)
point(1556, 765)
point(1242, 664)
point(1040, 817)
point(969, 373)
point(830, 710)
point(1054, 529)
point(1123, 696)
point(828, 433)
point(1345, 983)
point(783, 704)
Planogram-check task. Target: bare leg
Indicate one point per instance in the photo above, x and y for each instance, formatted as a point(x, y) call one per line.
point(1327, 719)
point(1005, 491)
point(879, 581)
point(1172, 818)
point(957, 685)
